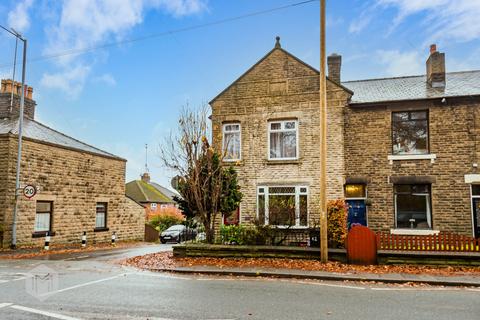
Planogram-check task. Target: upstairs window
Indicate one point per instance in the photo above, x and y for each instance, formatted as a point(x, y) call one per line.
point(412, 206)
point(410, 132)
point(283, 140)
point(232, 141)
point(153, 206)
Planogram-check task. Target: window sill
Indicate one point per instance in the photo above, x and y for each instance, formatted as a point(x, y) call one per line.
point(42, 234)
point(100, 229)
point(396, 157)
point(414, 232)
point(288, 227)
point(282, 161)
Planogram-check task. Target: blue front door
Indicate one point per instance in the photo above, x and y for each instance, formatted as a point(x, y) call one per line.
point(357, 212)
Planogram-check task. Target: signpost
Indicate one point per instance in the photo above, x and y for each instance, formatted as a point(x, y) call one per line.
point(29, 191)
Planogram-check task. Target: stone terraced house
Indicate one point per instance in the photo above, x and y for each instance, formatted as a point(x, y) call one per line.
point(402, 151)
point(79, 187)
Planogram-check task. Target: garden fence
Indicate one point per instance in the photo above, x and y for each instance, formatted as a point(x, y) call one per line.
point(444, 241)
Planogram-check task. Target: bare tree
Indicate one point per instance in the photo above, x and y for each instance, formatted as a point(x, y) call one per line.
point(208, 188)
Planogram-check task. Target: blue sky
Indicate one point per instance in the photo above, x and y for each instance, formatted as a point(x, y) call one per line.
point(121, 97)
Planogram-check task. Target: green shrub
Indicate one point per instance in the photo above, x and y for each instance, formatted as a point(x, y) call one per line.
point(337, 223)
point(163, 222)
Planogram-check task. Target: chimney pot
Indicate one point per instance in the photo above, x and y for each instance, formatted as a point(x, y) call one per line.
point(146, 177)
point(433, 48)
point(334, 62)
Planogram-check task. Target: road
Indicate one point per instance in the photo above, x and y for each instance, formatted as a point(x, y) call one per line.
point(91, 286)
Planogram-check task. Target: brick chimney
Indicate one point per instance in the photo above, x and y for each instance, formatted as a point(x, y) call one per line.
point(11, 110)
point(146, 177)
point(334, 62)
point(436, 68)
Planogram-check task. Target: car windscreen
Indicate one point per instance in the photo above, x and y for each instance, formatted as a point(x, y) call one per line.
point(176, 228)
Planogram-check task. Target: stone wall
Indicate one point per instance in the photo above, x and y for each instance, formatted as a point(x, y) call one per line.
point(453, 131)
point(29, 107)
point(281, 87)
point(74, 181)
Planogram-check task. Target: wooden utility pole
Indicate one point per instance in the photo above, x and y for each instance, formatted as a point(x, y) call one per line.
point(323, 139)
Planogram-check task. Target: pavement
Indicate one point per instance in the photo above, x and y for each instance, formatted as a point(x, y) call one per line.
point(92, 286)
point(395, 278)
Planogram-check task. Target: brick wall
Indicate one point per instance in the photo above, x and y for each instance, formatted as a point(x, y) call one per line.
point(281, 87)
point(453, 134)
point(74, 181)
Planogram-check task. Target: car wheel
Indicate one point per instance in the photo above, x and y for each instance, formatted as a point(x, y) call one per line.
point(163, 241)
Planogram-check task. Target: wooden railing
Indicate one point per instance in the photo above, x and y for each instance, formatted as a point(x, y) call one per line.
point(444, 241)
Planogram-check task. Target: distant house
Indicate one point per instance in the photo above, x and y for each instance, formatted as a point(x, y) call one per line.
point(151, 195)
point(79, 188)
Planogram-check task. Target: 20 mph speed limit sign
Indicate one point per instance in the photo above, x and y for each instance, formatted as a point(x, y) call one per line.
point(29, 191)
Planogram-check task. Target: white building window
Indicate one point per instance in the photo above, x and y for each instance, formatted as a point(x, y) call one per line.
point(232, 142)
point(101, 215)
point(283, 206)
point(43, 216)
point(412, 206)
point(283, 140)
point(153, 206)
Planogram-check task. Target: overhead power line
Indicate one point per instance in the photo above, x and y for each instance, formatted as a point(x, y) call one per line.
point(158, 35)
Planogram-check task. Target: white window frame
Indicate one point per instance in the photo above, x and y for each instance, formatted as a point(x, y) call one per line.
point(153, 206)
point(239, 131)
point(297, 204)
point(282, 129)
point(428, 197)
point(105, 206)
point(472, 196)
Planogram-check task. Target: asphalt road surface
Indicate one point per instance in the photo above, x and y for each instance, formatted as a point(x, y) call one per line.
point(91, 286)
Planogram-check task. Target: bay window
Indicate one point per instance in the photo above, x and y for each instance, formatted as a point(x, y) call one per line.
point(283, 206)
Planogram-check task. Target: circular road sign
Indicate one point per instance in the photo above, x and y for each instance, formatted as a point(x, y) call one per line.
point(29, 191)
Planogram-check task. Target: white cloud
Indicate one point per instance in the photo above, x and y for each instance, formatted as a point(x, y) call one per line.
point(401, 63)
point(357, 25)
point(445, 19)
point(84, 24)
point(19, 18)
point(71, 81)
point(107, 79)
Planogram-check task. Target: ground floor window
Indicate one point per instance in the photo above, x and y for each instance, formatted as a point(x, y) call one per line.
point(43, 216)
point(283, 206)
point(476, 209)
point(101, 215)
point(412, 206)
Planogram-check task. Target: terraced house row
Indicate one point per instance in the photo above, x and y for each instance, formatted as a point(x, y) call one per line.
point(402, 151)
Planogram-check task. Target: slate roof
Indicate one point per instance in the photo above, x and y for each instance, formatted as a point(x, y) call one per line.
point(143, 192)
point(458, 84)
point(169, 193)
point(37, 131)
